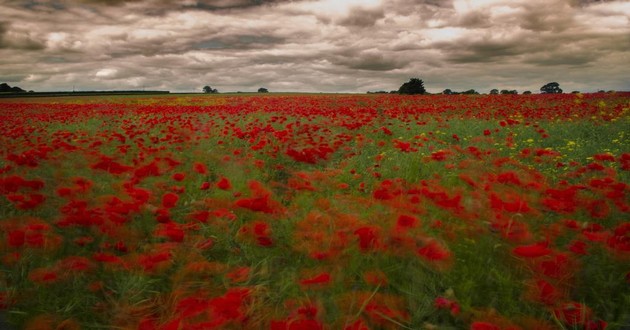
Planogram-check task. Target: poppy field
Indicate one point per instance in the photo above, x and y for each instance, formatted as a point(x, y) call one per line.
point(315, 212)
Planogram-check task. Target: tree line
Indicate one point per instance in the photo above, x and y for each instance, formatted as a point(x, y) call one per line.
point(416, 86)
point(5, 88)
point(209, 90)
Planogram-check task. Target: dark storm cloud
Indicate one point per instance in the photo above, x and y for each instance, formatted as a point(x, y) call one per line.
point(234, 4)
point(422, 10)
point(313, 45)
point(3, 30)
point(19, 39)
point(370, 61)
point(13, 78)
point(587, 2)
point(475, 20)
point(481, 51)
point(568, 59)
point(552, 18)
point(362, 17)
point(238, 42)
point(201, 4)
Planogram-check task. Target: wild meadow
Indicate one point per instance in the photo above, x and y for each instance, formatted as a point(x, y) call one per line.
point(315, 212)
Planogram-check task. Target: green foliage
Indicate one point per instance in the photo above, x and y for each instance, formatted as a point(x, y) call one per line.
point(209, 90)
point(412, 87)
point(551, 88)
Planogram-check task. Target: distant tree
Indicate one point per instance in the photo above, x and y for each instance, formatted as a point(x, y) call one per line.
point(575, 92)
point(527, 92)
point(209, 90)
point(263, 90)
point(505, 91)
point(447, 91)
point(494, 92)
point(551, 88)
point(413, 86)
point(470, 92)
point(5, 88)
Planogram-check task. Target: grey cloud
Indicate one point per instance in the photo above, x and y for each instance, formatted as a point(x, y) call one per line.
point(161, 6)
point(235, 4)
point(289, 58)
point(587, 2)
point(568, 59)
point(13, 78)
point(554, 17)
point(371, 61)
point(362, 17)
point(108, 2)
point(144, 7)
point(238, 42)
point(544, 35)
point(583, 50)
point(476, 19)
point(55, 59)
point(480, 51)
point(4, 27)
point(537, 48)
point(18, 39)
point(209, 4)
point(422, 9)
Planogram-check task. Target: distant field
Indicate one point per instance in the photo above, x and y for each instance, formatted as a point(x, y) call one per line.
point(315, 211)
point(77, 94)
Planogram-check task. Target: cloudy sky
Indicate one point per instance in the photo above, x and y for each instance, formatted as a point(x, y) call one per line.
point(314, 45)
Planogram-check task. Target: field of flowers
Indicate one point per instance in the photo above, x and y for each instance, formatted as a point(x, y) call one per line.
point(315, 212)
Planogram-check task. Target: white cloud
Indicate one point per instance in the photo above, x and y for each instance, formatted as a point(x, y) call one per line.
point(106, 73)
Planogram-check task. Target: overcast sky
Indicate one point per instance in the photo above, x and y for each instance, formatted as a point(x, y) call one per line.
point(314, 46)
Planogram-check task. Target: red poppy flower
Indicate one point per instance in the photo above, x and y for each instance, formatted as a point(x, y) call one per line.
point(16, 238)
point(200, 168)
point(224, 184)
point(322, 278)
point(434, 251)
point(169, 200)
point(484, 326)
point(407, 221)
point(573, 313)
point(532, 251)
point(368, 238)
point(43, 276)
point(179, 177)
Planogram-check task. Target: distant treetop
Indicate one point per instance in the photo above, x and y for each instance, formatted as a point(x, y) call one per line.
point(413, 86)
point(209, 90)
point(263, 90)
point(5, 88)
point(551, 88)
